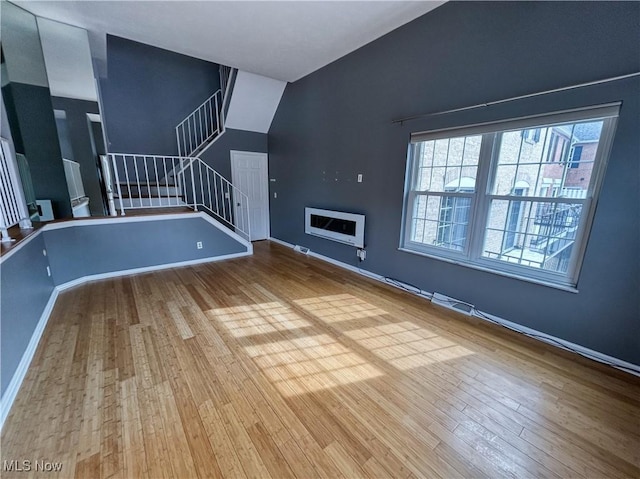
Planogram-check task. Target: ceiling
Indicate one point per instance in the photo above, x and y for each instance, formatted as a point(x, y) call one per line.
point(285, 40)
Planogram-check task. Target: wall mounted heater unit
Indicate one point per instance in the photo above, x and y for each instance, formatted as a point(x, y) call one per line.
point(338, 226)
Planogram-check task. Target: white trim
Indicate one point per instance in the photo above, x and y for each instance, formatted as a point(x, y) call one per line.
point(147, 269)
point(547, 338)
point(360, 271)
point(19, 246)
point(23, 366)
point(120, 219)
point(18, 376)
point(128, 219)
point(281, 242)
point(226, 230)
point(560, 343)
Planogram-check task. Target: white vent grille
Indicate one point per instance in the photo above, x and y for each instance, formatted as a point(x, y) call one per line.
point(452, 303)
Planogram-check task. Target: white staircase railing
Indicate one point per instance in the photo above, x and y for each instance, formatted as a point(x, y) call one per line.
point(148, 181)
point(152, 181)
point(13, 207)
point(204, 124)
point(220, 197)
point(225, 76)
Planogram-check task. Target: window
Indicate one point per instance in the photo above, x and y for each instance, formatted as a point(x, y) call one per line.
point(557, 146)
point(452, 227)
point(576, 153)
point(531, 135)
point(514, 217)
point(513, 197)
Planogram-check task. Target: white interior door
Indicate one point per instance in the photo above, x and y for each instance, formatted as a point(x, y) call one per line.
point(249, 172)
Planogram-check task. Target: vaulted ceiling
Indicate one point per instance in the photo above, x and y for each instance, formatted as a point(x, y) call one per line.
point(285, 40)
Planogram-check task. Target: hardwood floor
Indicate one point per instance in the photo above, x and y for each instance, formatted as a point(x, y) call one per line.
point(280, 365)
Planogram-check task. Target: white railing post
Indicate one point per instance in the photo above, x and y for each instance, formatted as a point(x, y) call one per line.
point(193, 187)
point(218, 129)
point(182, 183)
point(108, 184)
point(178, 140)
point(116, 174)
point(246, 198)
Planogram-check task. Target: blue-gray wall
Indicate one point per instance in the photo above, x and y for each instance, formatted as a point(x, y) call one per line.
point(25, 290)
point(336, 123)
point(88, 250)
point(218, 155)
point(148, 92)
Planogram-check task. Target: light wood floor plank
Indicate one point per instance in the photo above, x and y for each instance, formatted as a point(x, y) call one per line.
point(279, 365)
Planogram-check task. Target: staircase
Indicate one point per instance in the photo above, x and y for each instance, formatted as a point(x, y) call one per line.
point(205, 124)
point(160, 181)
point(143, 182)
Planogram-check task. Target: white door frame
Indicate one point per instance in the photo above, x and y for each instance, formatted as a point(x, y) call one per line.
point(234, 180)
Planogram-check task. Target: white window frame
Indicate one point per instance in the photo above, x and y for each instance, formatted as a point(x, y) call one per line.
point(471, 255)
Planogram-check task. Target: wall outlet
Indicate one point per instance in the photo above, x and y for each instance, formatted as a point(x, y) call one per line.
point(362, 254)
point(199, 245)
point(359, 177)
point(275, 195)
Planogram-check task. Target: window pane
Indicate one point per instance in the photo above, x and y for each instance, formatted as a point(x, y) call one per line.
point(441, 221)
point(449, 164)
point(551, 161)
point(536, 234)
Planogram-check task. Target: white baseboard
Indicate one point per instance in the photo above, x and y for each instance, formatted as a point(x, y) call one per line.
point(560, 343)
point(354, 269)
point(18, 376)
point(23, 366)
point(147, 269)
point(547, 338)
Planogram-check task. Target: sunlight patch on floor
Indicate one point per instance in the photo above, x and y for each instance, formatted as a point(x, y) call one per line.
point(406, 345)
point(310, 363)
point(339, 307)
point(256, 319)
point(297, 358)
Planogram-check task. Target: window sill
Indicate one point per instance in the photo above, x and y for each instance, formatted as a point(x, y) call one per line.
point(569, 289)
